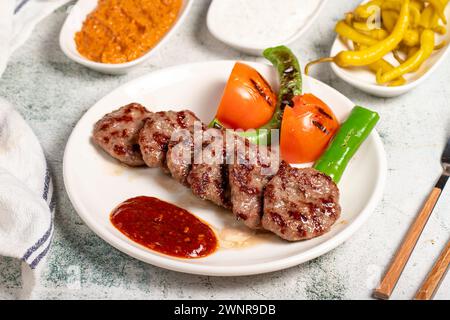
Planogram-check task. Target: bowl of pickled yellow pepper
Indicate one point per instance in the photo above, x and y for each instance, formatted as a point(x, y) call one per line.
point(388, 47)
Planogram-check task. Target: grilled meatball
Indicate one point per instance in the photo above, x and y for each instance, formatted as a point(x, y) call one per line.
point(117, 133)
point(208, 177)
point(179, 157)
point(248, 177)
point(157, 132)
point(300, 204)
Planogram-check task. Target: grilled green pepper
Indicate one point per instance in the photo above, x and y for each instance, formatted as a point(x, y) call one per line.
point(349, 138)
point(290, 76)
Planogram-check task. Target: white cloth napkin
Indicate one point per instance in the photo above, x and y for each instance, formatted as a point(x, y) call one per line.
point(17, 20)
point(26, 217)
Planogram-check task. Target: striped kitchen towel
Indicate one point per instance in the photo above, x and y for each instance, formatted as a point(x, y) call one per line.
point(26, 208)
point(17, 20)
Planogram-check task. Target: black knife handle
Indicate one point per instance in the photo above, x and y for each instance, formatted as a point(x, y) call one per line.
point(442, 181)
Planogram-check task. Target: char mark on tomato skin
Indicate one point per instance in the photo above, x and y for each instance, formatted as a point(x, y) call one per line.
point(323, 112)
point(261, 92)
point(321, 127)
point(265, 82)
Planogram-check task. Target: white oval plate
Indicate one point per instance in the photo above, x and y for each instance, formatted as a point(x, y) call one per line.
point(217, 22)
point(74, 23)
point(364, 79)
point(97, 183)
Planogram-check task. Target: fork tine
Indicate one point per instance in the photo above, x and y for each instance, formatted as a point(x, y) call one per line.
point(446, 154)
point(446, 159)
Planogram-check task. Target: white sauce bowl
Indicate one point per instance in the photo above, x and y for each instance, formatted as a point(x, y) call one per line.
point(230, 21)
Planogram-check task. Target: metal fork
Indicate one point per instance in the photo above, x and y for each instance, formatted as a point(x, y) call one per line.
point(397, 265)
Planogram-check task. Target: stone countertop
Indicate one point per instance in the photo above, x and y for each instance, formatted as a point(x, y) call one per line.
point(52, 93)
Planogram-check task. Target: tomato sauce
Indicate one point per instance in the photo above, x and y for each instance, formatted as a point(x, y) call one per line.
point(164, 227)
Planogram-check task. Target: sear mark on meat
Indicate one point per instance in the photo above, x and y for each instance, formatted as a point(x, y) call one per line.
point(180, 155)
point(117, 133)
point(156, 134)
point(248, 176)
point(300, 204)
point(208, 177)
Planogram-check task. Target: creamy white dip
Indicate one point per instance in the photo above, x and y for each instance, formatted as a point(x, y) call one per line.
point(261, 23)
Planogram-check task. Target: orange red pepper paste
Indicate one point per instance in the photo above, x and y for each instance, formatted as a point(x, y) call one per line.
point(119, 31)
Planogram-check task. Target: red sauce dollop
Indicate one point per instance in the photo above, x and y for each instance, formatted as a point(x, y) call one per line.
point(164, 227)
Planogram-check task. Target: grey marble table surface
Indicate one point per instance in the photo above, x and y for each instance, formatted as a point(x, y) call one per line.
point(52, 93)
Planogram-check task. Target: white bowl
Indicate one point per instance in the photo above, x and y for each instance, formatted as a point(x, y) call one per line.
point(222, 32)
point(74, 23)
point(97, 183)
point(364, 79)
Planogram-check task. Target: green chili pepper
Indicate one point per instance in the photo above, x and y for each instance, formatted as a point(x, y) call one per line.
point(290, 76)
point(349, 138)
